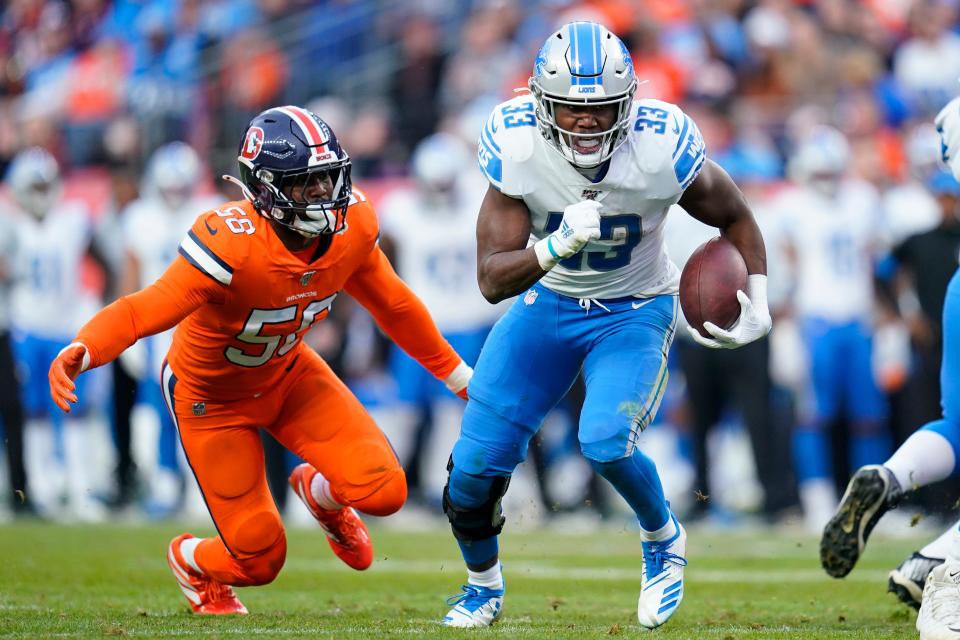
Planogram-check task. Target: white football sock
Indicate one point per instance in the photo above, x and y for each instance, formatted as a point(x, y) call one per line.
point(665, 532)
point(188, 549)
point(320, 490)
point(926, 457)
point(940, 547)
point(492, 578)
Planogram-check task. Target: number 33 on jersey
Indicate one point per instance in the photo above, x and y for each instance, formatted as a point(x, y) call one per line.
point(662, 154)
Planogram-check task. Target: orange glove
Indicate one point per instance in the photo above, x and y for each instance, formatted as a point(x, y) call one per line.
point(69, 363)
point(463, 394)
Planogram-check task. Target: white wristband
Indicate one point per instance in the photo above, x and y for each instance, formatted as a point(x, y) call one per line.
point(459, 378)
point(546, 256)
point(85, 363)
point(757, 291)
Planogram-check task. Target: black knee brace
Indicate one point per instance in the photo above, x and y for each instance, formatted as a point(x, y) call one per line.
point(480, 522)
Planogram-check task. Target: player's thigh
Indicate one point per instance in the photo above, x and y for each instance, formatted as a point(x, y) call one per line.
point(626, 375)
point(827, 366)
point(223, 448)
point(324, 423)
point(950, 367)
point(489, 444)
point(526, 364)
point(865, 400)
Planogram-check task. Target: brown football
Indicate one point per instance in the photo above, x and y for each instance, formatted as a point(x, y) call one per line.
point(709, 284)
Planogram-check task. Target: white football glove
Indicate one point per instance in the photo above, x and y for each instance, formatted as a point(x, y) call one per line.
point(948, 124)
point(754, 321)
point(580, 225)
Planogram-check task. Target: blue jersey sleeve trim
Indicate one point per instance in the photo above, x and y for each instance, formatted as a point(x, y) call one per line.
point(487, 135)
point(683, 136)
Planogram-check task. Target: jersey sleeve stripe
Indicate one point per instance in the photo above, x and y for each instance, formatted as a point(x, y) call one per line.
point(683, 136)
point(200, 256)
point(487, 136)
point(491, 164)
point(693, 174)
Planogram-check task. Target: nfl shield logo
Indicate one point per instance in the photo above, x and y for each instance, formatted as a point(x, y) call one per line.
point(199, 408)
point(530, 298)
point(305, 278)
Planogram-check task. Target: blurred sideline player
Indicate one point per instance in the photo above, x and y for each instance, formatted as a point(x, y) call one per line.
point(152, 228)
point(250, 279)
point(927, 456)
point(48, 305)
point(11, 403)
point(581, 178)
point(831, 230)
point(431, 231)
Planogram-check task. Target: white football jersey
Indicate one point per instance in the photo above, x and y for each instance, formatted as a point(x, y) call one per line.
point(835, 240)
point(437, 255)
point(909, 209)
point(152, 233)
point(49, 298)
point(661, 156)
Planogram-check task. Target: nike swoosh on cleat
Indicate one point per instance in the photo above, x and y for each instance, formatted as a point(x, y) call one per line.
point(637, 305)
point(212, 231)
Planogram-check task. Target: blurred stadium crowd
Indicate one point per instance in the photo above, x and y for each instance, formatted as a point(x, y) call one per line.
point(821, 110)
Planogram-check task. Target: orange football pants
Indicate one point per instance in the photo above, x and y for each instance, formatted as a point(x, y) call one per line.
point(314, 415)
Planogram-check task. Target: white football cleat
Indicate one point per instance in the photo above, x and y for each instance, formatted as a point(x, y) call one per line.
point(661, 586)
point(939, 617)
point(475, 607)
point(908, 580)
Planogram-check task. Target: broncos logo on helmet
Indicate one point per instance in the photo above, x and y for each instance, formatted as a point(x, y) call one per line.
point(283, 151)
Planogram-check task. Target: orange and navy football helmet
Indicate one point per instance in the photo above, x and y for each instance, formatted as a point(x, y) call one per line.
point(285, 148)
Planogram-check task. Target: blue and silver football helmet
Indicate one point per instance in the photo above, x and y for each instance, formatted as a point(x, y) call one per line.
point(583, 63)
point(34, 181)
point(285, 148)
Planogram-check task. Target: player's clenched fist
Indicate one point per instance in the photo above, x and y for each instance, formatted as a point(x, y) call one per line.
point(580, 225)
point(69, 363)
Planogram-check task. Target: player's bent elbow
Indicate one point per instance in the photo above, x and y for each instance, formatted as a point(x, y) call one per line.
point(492, 293)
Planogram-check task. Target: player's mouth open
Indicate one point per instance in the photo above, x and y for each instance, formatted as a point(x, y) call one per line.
point(586, 145)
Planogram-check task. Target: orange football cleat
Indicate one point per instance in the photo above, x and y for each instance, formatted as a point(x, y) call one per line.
point(206, 596)
point(346, 533)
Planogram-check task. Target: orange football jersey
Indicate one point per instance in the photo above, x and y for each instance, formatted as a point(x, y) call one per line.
point(246, 302)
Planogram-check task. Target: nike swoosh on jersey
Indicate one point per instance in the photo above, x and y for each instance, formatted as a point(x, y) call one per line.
point(212, 231)
point(637, 305)
point(676, 125)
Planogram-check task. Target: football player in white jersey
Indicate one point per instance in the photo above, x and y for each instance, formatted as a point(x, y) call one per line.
point(831, 224)
point(153, 226)
point(48, 305)
point(430, 231)
point(581, 177)
point(927, 456)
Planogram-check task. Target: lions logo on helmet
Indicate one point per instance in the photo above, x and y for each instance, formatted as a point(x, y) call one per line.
point(284, 150)
point(583, 63)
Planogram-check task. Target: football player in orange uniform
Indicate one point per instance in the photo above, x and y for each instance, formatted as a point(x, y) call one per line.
point(251, 278)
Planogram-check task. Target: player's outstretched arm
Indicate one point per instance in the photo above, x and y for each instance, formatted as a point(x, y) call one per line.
point(114, 328)
point(714, 199)
point(402, 316)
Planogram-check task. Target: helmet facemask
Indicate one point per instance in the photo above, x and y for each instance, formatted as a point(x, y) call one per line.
point(285, 198)
point(567, 142)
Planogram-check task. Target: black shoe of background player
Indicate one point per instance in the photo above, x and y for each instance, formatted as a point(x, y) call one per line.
point(907, 580)
point(872, 491)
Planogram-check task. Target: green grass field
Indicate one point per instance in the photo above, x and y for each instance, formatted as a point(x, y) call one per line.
point(112, 580)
